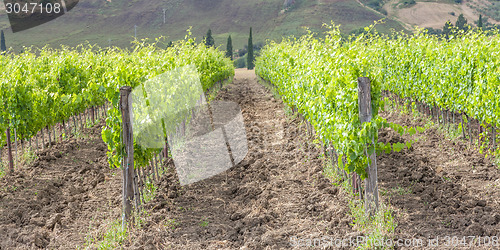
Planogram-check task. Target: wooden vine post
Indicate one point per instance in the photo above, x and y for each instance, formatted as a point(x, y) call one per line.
point(92, 111)
point(494, 133)
point(365, 115)
point(165, 149)
point(9, 151)
point(17, 149)
point(128, 161)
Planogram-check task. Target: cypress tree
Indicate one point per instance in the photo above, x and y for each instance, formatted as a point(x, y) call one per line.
point(447, 29)
point(209, 40)
point(2, 42)
point(250, 58)
point(480, 21)
point(229, 48)
point(461, 23)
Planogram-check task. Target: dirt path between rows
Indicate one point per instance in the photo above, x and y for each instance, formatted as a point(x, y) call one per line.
point(277, 192)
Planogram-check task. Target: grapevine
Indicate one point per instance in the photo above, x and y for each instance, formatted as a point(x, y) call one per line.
point(319, 78)
point(42, 87)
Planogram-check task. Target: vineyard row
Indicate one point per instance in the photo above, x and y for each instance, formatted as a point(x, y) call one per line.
point(43, 87)
point(319, 77)
point(48, 137)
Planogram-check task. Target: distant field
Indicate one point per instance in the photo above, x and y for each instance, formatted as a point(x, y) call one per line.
point(434, 14)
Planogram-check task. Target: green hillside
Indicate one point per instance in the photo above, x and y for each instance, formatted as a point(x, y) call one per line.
point(112, 22)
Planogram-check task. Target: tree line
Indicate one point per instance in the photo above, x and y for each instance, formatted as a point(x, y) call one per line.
point(462, 25)
point(246, 56)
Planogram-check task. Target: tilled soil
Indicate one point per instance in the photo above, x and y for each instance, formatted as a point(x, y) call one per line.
point(440, 188)
point(275, 195)
point(277, 192)
point(53, 202)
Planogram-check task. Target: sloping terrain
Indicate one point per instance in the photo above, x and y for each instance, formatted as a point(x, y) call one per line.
point(113, 22)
